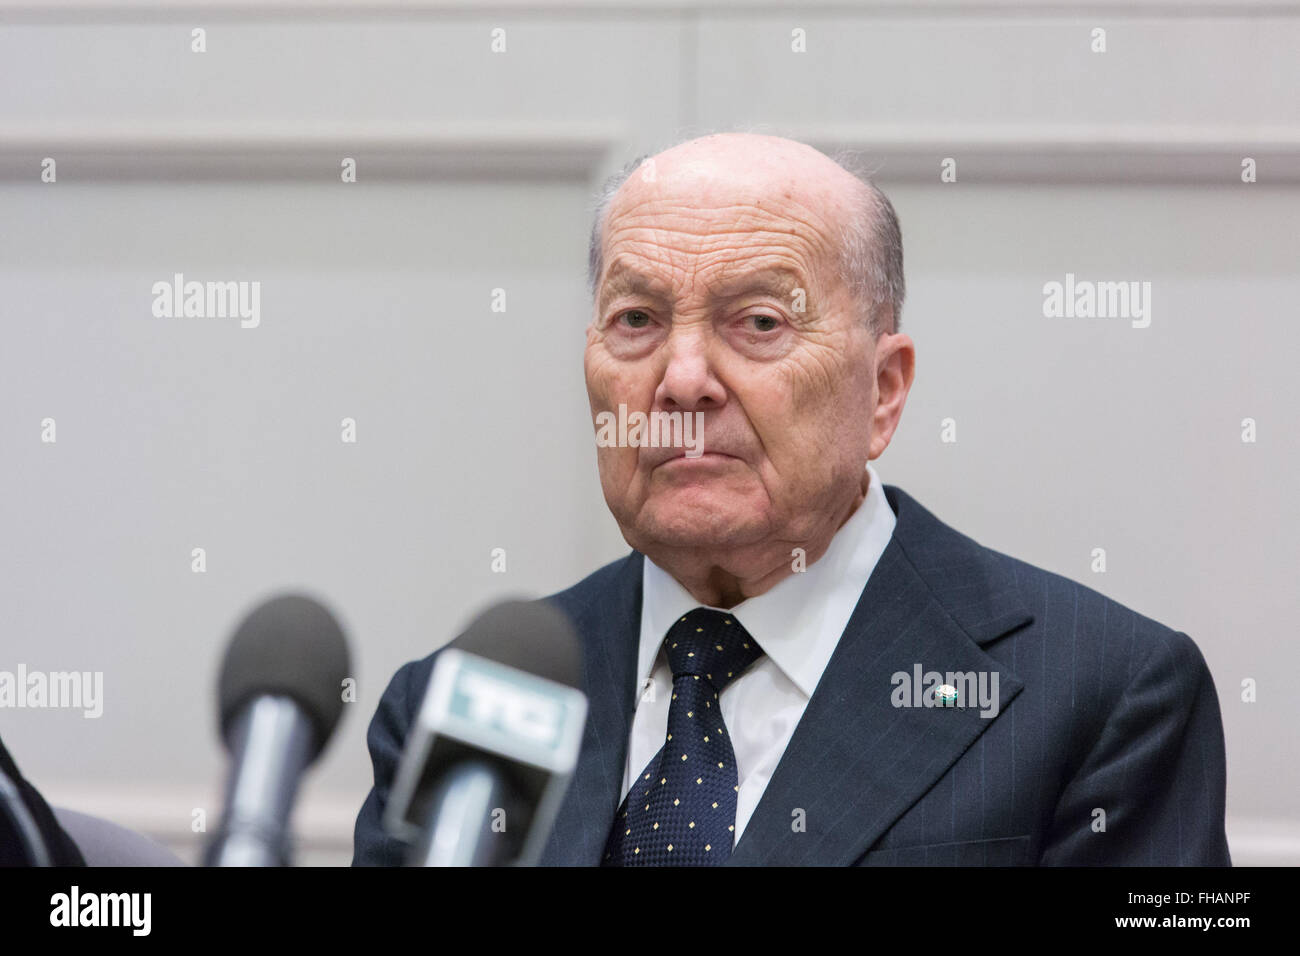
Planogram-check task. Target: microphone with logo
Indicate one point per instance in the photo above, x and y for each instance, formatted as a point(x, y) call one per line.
point(488, 759)
point(280, 697)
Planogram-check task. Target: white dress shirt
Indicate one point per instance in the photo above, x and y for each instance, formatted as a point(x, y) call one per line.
point(797, 623)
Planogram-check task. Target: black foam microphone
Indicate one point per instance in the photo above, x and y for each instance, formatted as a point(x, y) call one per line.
point(280, 695)
point(488, 758)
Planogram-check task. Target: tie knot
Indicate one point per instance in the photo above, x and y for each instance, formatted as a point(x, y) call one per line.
point(710, 645)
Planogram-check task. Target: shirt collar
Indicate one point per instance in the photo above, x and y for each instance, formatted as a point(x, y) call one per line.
point(797, 622)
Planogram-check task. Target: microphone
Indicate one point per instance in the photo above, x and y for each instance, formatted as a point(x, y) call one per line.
point(488, 759)
point(280, 696)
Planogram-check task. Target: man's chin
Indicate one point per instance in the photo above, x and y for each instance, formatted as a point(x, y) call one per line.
point(710, 525)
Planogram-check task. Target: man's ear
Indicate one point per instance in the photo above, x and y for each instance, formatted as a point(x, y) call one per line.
point(895, 369)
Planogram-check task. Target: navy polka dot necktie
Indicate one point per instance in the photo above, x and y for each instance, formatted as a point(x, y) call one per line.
point(681, 810)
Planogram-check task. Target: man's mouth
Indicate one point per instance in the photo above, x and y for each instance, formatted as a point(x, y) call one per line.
point(684, 460)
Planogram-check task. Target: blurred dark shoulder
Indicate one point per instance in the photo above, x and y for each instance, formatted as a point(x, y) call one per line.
point(63, 852)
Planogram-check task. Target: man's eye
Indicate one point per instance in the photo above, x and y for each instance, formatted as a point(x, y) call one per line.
point(764, 323)
point(636, 319)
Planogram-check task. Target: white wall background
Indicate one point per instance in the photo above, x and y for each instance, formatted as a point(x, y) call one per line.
point(475, 173)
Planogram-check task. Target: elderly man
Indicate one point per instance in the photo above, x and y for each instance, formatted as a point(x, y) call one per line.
point(797, 664)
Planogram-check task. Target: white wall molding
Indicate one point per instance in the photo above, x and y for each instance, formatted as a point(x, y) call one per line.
point(108, 10)
point(1052, 154)
point(304, 151)
point(1264, 841)
point(1068, 153)
point(322, 824)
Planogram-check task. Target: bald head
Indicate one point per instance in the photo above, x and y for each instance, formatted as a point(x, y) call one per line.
point(835, 204)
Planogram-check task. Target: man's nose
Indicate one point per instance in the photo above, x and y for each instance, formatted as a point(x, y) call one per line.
point(689, 382)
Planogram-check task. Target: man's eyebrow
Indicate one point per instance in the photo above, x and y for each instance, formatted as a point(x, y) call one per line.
point(623, 279)
point(779, 283)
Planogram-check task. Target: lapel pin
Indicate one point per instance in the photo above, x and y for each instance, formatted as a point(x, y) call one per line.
point(946, 694)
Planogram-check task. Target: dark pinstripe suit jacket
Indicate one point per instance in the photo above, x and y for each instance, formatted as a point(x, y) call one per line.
point(1105, 718)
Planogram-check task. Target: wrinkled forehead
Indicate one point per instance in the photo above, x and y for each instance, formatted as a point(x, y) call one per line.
point(696, 222)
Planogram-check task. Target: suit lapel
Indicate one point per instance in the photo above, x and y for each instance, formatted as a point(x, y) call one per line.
point(856, 761)
point(609, 623)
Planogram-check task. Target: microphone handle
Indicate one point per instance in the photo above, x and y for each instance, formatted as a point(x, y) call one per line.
point(458, 828)
point(271, 746)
